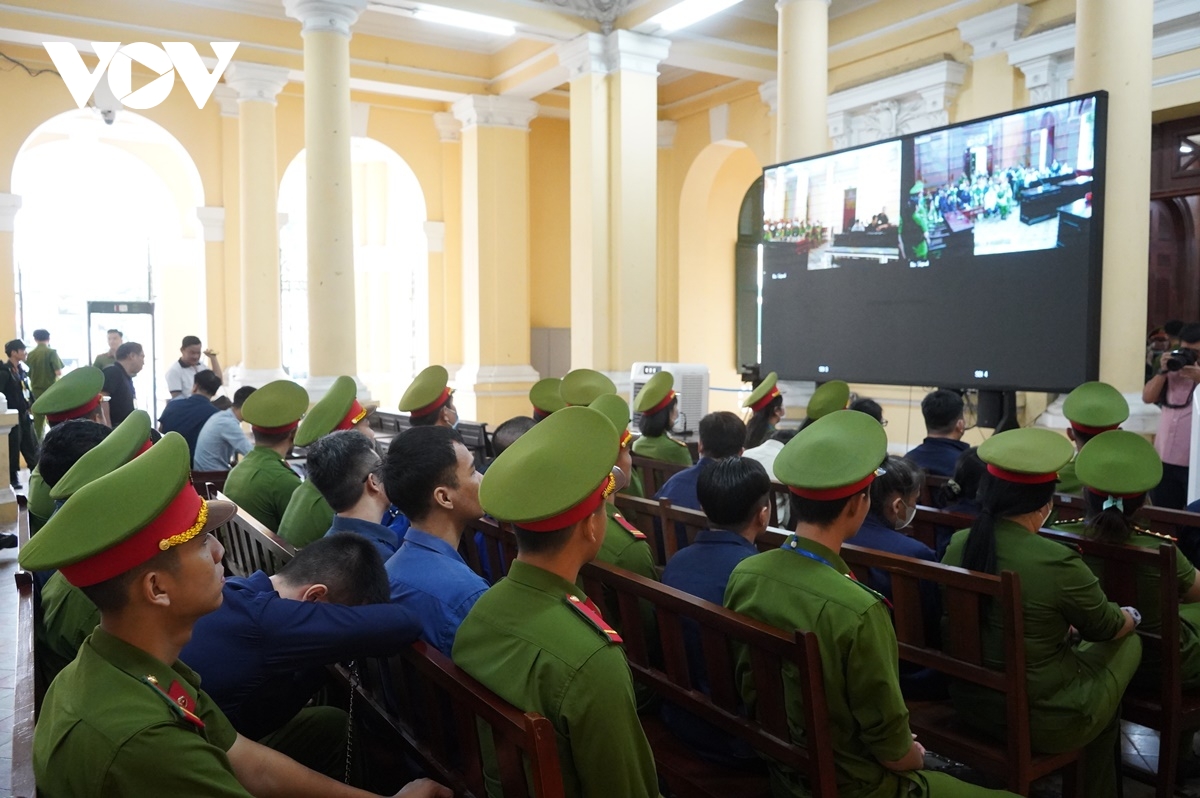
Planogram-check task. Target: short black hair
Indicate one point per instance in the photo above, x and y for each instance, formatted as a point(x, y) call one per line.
point(112, 595)
point(208, 381)
point(128, 350)
point(731, 491)
point(338, 466)
point(64, 444)
point(541, 542)
point(900, 476)
point(508, 432)
point(347, 563)
point(15, 345)
point(242, 394)
point(1173, 327)
point(189, 340)
point(419, 460)
point(115, 331)
point(1190, 333)
point(41, 335)
point(654, 425)
point(270, 439)
point(722, 434)
point(868, 406)
point(819, 512)
point(942, 410)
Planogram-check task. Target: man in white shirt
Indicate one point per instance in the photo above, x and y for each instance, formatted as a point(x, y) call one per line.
point(222, 437)
point(181, 374)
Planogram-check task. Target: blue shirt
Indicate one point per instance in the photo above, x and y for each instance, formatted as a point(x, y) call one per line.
point(187, 415)
point(938, 455)
point(432, 579)
point(219, 440)
point(384, 538)
point(262, 656)
point(396, 521)
point(681, 490)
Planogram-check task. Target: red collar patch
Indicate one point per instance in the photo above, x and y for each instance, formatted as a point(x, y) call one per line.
point(590, 612)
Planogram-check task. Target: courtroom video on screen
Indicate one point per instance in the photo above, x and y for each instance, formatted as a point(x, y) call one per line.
point(1016, 183)
point(836, 210)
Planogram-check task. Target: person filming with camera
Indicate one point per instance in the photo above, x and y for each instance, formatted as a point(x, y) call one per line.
point(1172, 389)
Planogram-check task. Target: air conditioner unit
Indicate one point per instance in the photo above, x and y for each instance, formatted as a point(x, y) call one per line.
point(691, 383)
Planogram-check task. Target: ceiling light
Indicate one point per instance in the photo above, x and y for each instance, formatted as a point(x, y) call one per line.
point(451, 16)
point(689, 12)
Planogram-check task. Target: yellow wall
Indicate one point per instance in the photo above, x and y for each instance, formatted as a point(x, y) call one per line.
point(549, 223)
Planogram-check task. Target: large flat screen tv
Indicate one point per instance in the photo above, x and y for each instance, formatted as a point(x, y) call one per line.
point(963, 257)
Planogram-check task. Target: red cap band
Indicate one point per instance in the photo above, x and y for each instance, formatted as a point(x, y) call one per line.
point(576, 513)
point(145, 447)
point(1115, 495)
point(539, 414)
point(179, 520)
point(276, 430)
point(355, 415)
point(625, 437)
point(75, 412)
point(766, 400)
point(1092, 430)
point(432, 408)
point(1021, 479)
point(661, 405)
point(831, 494)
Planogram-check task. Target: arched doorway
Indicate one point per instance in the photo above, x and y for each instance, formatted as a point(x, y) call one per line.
point(109, 213)
point(391, 269)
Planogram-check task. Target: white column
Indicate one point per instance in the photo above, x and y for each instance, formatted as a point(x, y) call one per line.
point(803, 81)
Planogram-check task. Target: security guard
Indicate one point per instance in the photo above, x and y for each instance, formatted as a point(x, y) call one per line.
point(429, 401)
point(77, 395)
point(262, 484)
point(829, 397)
point(765, 404)
point(546, 397)
point(1074, 690)
point(534, 638)
point(659, 405)
point(308, 515)
point(1091, 408)
point(804, 585)
point(127, 717)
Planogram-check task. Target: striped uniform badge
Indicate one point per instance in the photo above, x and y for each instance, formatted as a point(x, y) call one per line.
point(590, 612)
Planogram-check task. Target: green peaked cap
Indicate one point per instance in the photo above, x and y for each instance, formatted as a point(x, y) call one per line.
point(113, 510)
point(73, 392)
point(552, 468)
point(836, 452)
point(656, 389)
point(118, 448)
point(546, 397)
point(277, 404)
point(828, 398)
point(429, 388)
point(40, 503)
point(582, 386)
point(1119, 463)
point(615, 410)
point(1095, 407)
point(328, 414)
point(765, 387)
point(1029, 451)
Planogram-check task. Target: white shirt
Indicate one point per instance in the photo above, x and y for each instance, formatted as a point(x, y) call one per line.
point(765, 453)
point(181, 378)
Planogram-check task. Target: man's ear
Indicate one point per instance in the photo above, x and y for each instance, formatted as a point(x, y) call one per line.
point(441, 497)
point(154, 587)
point(763, 519)
point(1071, 434)
point(316, 592)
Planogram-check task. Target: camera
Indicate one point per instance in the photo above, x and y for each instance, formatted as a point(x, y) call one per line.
point(1178, 358)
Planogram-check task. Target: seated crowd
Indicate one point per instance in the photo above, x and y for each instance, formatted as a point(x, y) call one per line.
point(132, 585)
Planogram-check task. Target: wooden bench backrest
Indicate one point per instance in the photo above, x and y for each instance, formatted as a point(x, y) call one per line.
point(426, 683)
point(250, 546)
point(768, 650)
point(655, 473)
point(1166, 521)
point(499, 548)
point(27, 692)
point(209, 483)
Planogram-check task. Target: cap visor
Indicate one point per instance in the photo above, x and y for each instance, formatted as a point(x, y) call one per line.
point(218, 513)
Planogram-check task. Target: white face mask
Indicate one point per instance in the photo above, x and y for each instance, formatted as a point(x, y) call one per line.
point(909, 514)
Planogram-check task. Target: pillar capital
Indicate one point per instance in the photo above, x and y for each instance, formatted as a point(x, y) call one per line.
point(666, 134)
point(330, 16)
point(584, 55)
point(227, 99)
point(487, 110)
point(9, 205)
point(626, 51)
point(256, 82)
point(992, 33)
point(448, 127)
point(769, 93)
point(212, 219)
point(435, 236)
point(779, 3)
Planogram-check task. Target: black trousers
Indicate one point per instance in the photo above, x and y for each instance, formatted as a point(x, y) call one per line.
point(1172, 490)
point(21, 442)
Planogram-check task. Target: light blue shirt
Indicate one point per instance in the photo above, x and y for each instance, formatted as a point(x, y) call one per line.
point(435, 583)
point(384, 538)
point(219, 438)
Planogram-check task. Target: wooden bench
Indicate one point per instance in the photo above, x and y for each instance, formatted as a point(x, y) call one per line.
point(209, 483)
point(937, 724)
point(250, 546)
point(488, 548)
point(770, 651)
point(1165, 707)
point(474, 433)
point(655, 473)
point(27, 693)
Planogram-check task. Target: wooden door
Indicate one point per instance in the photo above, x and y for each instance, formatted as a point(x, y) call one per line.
point(1174, 289)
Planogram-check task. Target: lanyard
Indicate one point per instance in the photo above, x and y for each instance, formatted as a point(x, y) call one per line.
point(791, 545)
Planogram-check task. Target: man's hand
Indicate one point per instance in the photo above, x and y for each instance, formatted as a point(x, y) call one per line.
point(1191, 372)
point(210, 353)
point(424, 788)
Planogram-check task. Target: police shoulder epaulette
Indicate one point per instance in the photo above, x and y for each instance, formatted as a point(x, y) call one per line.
point(1161, 535)
point(588, 612)
point(177, 698)
point(628, 527)
point(677, 442)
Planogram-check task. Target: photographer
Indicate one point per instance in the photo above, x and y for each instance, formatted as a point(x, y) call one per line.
point(1171, 389)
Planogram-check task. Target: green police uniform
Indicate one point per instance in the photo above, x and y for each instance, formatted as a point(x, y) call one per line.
point(41, 506)
point(1074, 690)
point(308, 516)
point(43, 363)
point(804, 585)
point(262, 484)
point(655, 397)
point(1091, 408)
point(663, 447)
point(534, 638)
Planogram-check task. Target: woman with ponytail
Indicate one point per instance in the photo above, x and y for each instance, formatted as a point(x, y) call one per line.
point(1074, 690)
point(658, 405)
point(766, 410)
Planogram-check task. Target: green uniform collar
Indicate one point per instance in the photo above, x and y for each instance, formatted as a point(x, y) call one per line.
point(542, 580)
point(823, 551)
point(140, 665)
